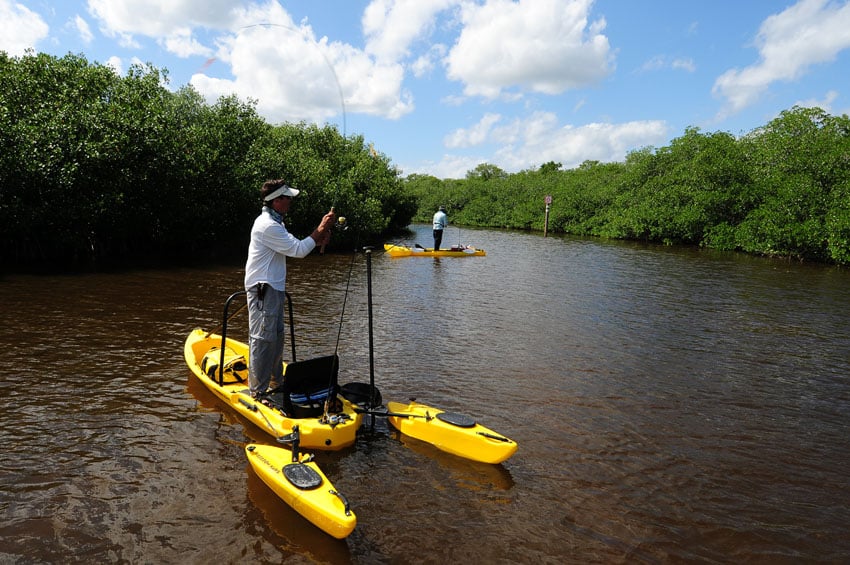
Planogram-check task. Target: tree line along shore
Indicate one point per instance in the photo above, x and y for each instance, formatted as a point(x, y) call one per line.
point(98, 169)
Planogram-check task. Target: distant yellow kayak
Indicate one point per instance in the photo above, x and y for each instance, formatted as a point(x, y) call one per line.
point(394, 250)
point(450, 432)
point(303, 486)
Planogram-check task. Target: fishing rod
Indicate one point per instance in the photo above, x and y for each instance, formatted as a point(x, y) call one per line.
point(319, 50)
point(221, 325)
point(326, 415)
point(341, 224)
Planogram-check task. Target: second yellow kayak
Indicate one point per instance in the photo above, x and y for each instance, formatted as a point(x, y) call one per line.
point(450, 432)
point(304, 487)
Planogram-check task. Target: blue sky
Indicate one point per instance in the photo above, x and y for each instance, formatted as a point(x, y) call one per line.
point(439, 86)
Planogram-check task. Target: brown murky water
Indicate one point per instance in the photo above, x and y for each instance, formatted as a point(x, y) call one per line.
point(670, 405)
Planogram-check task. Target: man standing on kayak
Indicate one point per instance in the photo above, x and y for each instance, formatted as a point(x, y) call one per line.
point(441, 222)
point(265, 281)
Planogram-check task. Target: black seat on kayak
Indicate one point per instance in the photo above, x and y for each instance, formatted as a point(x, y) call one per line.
point(306, 385)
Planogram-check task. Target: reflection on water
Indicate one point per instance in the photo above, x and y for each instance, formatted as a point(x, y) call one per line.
point(669, 405)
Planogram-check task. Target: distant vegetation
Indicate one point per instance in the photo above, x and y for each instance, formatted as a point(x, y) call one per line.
point(783, 190)
point(97, 169)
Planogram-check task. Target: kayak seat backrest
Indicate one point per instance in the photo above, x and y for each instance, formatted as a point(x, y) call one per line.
point(306, 384)
point(235, 366)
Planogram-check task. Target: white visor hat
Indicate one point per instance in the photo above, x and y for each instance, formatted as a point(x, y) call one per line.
point(282, 191)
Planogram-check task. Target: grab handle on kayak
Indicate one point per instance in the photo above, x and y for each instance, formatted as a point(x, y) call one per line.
point(344, 501)
point(393, 414)
point(492, 436)
point(225, 318)
point(254, 408)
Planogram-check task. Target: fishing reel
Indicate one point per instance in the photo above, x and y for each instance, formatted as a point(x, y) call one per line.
point(340, 224)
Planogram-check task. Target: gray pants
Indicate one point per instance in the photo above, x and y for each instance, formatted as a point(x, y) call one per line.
point(265, 340)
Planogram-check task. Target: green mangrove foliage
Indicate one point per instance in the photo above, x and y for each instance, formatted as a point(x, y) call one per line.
point(96, 168)
point(782, 190)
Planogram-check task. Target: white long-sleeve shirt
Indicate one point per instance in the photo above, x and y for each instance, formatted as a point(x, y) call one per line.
point(441, 220)
point(270, 245)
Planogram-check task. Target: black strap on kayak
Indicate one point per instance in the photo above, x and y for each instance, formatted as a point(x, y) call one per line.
point(302, 476)
point(458, 420)
point(493, 436)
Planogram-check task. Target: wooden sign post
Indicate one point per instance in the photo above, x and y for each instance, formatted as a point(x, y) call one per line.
point(546, 220)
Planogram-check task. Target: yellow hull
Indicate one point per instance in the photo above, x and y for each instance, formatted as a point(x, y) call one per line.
point(319, 504)
point(315, 434)
point(470, 440)
point(403, 251)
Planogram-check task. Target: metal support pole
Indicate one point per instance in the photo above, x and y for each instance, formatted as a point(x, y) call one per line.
point(371, 335)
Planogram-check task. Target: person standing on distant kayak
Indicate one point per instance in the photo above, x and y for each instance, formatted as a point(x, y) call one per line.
point(265, 281)
point(441, 222)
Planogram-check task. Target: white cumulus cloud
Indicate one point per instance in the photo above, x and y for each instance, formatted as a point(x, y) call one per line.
point(544, 46)
point(391, 26)
point(529, 141)
point(20, 28)
point(295, 76)
point(83, 29)
point(808, 33)
point(160, 18)
point(476, 135)
point(540, 139)
point(170, 22)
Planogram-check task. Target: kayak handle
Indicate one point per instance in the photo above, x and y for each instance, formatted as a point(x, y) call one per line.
point(254, 408)
point(344, 501)
point(248, 405)
point(393, 414)
point(491, 436)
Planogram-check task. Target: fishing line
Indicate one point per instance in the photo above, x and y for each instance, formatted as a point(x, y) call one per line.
point(341, 223)
point(330, 66)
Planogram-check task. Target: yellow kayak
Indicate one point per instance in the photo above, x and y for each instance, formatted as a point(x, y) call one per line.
point(450, 432)
point(453, 251)
point(304, 487)
point(332, 431)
